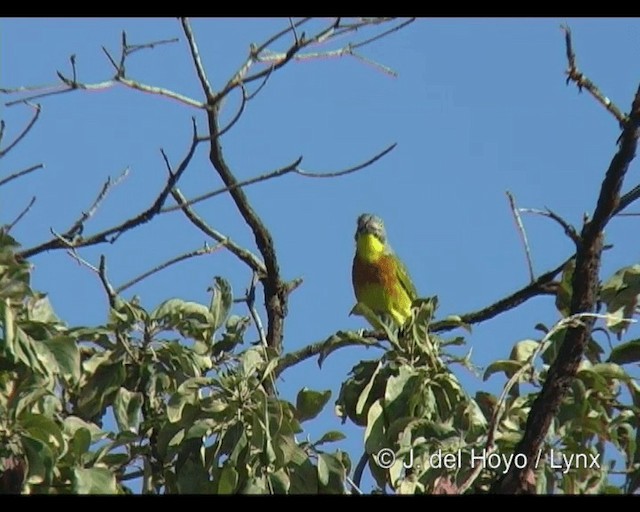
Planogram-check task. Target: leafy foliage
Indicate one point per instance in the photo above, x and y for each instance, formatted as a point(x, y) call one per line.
point(191, 412)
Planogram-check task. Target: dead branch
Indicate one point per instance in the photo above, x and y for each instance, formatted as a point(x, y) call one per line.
point(182, 257)
point(582, 82)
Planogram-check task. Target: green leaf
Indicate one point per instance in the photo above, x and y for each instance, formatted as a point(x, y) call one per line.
point(94, 480)
point(79, 444)
point(46, 430)
point(280, 482)
point(331, 474)
point(251, 360)
point(39, 309)
point(364, 395)
point(126, 408)
point(309, 403)
point(72, 424)
point(374, 438)
point(100, 389)
point(40, 459)
point(610, 371)
point(228, 480)
point(330, 437)
point(67, 356)
point(323, 470)
point(523, 350)
point(508, 367)
point(620, 294)
point(626, 353)
point(220, 302)
point(189, 318)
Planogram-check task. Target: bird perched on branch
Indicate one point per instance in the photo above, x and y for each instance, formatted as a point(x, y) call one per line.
point(380, 280)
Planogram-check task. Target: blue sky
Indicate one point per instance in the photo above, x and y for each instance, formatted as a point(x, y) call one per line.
point(479, 106)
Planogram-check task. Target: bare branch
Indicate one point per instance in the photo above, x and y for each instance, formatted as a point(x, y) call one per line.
point(627, 199)
point(21, 215)
point(199, 252)
point(251, 304)
point(111, 59)
point(569, 230)
point(102, 272)
point(150, 46)
point(243, 103)
point(522, 232)
point(324, 348)
point(293, 29)
point(138, 86)
point(290, 168)
point(16, 175)
point(574, 75)
point(195, 55)
point(34, 119)
point(260, 87)
point(349, 170)
point(111, 234)
point(247, 257)
point(543, 285)
point(78, 225)
point(383, 34)
point(263, 177)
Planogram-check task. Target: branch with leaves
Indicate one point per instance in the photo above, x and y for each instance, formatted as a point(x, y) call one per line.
point(584, 293)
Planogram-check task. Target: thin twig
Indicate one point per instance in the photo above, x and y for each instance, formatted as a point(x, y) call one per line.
point(569, 230)
point(260, 87)
point(102, 272)
point(522, 232)
point(573, 74)
point(22, 214)
point(243, 103)
point(27, 129)
point(251, 304)
point(349, 170)
point(293, 29)
point(78, 225)
point(111, 60)
point(199, 252)
point(247, 257)
point(273, 174)
point(150, 46)
point(290, 168)
point(383, 34)
point(380, 67)
point(195, 56)
point(21, 173)
point(61, 89)
point(353, 485)
point(161, 92)
point(113, 233)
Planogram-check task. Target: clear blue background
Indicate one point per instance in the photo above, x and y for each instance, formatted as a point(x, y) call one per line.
point(479, 106)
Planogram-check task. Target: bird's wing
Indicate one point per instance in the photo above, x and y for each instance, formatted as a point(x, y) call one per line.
point(405, 280)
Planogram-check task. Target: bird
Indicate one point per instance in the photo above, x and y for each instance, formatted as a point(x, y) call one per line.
point(381, 281)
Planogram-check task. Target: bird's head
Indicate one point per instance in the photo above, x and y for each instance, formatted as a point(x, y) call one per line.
point(369, 224)
point(371, 237)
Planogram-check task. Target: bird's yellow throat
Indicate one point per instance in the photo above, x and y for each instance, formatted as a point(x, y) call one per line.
point(369, 248)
